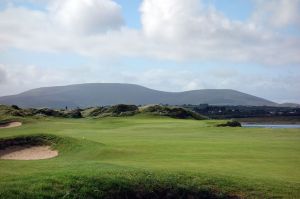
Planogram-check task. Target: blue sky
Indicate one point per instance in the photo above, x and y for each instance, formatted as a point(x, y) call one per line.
point(170, 45)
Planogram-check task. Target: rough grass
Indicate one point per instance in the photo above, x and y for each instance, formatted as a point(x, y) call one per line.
point(150, 157)
point(32, 140)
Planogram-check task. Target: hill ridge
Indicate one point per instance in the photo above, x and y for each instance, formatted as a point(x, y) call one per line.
point(100, 94)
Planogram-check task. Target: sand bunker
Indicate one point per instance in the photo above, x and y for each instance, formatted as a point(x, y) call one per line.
point(27, 153)
point(10, 125)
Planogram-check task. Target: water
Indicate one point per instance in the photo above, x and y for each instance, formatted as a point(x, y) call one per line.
point(272, 126)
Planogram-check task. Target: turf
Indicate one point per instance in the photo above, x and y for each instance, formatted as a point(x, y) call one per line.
point(136, 155)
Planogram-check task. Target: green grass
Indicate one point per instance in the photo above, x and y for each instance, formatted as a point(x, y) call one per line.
point(99, 157)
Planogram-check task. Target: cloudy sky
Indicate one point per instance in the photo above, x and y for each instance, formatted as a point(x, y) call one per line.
point(173, 45)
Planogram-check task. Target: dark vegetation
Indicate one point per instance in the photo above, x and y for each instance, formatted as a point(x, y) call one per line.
point(271, 120)
point(144, 186)
point(15, 107)
point(228, 112)
point(5, 121)
point(230, 124)
point(133, 185)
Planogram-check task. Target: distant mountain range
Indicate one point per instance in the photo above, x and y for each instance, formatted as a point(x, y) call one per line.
point(100, 94)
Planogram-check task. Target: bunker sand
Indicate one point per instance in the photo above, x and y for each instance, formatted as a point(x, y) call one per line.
point(28, 153)
point(10, 125)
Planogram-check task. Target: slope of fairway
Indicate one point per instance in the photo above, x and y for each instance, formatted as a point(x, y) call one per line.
point(119, 153)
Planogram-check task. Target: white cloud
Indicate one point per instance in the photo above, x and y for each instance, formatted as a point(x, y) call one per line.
point(86, 16)
point(172, 29)
point(22, 77)
point(3, 76)
point(170, 19)
point(277, 13)
point(189, 30)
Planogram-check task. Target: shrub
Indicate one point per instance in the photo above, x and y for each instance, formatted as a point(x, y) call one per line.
point(120, 108)
point(15, 107)
point(48, 112)
point(73, 114)
point(230, 124)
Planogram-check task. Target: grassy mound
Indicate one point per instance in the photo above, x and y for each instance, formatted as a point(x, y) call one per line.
point(111, 182)
point(30, 140)
point(14, 112)
point(108, 182)
point(173, 112)
point(6, 111)
point(57, 113)
point(119, 110)
point(114, 111)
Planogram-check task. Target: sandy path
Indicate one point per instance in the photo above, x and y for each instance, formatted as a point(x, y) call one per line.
point(28, 153)
point(10, 125)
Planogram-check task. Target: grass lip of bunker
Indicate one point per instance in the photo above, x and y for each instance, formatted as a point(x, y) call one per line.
point(10, 124)
point(34, 147)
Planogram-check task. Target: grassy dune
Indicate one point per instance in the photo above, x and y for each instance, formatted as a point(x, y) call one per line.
point(149, 157)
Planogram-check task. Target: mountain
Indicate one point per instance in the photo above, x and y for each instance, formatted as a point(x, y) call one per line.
point(99, 94)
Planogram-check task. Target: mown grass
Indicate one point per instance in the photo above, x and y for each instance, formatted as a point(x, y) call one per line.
point(155, 157)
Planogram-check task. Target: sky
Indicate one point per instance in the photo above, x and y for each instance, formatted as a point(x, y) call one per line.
point(252, 46)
